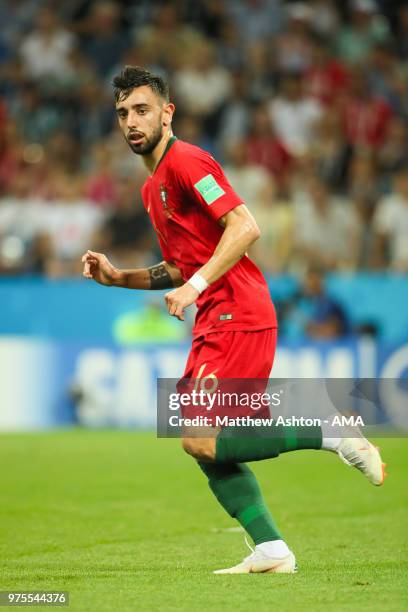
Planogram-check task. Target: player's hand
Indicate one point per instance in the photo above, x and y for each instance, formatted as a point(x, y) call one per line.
point(98, 268)
point(179, 299)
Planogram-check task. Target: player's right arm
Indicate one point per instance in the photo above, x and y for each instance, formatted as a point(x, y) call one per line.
point(163, 275)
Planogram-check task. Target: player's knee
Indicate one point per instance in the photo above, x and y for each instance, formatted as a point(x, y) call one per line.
point(199, 448)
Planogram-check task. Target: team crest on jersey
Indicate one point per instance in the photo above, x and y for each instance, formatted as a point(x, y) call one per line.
point(163, 196)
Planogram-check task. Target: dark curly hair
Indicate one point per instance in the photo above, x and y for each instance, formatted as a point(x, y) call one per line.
point(136, 76)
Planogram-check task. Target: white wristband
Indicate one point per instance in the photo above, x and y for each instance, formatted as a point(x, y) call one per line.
point(198, 282)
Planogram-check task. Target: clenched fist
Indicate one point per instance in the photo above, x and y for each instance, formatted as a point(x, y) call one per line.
point(179, 299)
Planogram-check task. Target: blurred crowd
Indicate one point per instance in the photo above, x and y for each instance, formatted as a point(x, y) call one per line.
point(304, 103)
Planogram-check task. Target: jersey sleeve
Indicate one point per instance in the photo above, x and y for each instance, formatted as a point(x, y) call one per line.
point(203, 180)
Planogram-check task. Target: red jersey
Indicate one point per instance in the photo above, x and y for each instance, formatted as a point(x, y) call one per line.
point(186, 195)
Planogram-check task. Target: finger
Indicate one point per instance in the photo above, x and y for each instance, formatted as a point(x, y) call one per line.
point(169, 299)
point(179, 313)
point(173, 308)
point(93, 266)
point(94, 255)
point(88, 257)
point(87, 272)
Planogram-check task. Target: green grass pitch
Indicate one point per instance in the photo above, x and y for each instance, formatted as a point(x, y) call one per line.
point(124, 521)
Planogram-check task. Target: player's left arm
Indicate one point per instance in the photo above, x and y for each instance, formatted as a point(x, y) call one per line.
point(241, 230)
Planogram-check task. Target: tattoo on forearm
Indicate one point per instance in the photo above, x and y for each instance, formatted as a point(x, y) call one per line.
point(160, 277)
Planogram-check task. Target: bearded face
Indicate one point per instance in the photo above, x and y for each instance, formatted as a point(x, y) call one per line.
point(143, 117)
point(144, 143)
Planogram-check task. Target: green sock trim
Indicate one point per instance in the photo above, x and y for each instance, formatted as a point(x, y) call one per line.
point(249, 514)
point(290, 439)
point(263, 529)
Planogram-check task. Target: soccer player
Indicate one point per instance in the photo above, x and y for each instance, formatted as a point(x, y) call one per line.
point(204, 230)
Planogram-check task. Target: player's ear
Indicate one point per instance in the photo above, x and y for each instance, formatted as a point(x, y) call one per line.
point(168, 111)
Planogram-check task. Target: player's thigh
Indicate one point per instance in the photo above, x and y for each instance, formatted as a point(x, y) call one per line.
point(200, 443)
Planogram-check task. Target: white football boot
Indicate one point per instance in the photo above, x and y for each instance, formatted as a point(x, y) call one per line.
point(260, 563)
point(361, 454)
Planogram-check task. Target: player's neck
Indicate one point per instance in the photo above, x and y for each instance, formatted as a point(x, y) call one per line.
point(152, 160)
